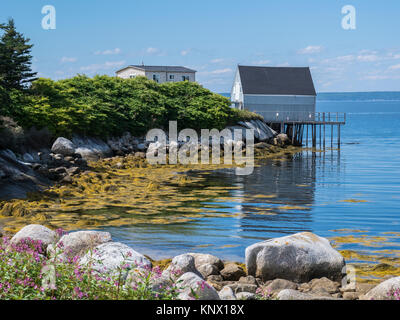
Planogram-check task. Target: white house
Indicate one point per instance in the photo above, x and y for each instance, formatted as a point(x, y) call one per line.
point(276, 93)
point(159, 74)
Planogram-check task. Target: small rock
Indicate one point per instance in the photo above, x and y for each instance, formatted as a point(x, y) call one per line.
point(208, 270)
point(290, 294)
point(227, 293)
point(280, 284)
point(329, 285)
point(69, 158)
point(215, 278)
point(180, 265)
point(350, 295)
point(190, 283)
point(243, 287)
point(73, 171)
point(202, 258)
point(249, 280)
point(246, 296)
point(232, 272)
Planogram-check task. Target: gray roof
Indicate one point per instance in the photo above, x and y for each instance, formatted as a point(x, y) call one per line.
point(276, 80)
point(160, 68)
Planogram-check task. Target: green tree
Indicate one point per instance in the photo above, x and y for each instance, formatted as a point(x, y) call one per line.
point(15, 58)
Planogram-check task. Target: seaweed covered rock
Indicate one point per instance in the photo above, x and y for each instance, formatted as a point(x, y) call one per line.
point(300, 258)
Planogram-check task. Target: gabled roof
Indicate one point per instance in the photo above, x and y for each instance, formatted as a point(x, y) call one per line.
point(276, 80)
point(159, 68)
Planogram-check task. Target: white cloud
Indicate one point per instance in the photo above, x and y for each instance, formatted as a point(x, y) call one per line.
point(221, 71)
point(152, 50)
point(103, 66)
point(310, 50)
point(394, 67)
point(217, 60)
point(368, 58)
point(68, 59)
point(108, 52)
point(262, 62)
point(185, 52)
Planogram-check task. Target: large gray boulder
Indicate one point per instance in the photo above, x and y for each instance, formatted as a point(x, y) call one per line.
point(180, 265)
point(91, 149)
point(383, 290)
point(111, 256)
point(300, 257)
point(63, 146)
point(78, 243)
point(35, 232)
point(190, 283)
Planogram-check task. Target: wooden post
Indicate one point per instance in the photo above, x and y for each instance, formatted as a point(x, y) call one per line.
point(293, 133)
point(307, 135)
point(331, 136)
point(338, 139)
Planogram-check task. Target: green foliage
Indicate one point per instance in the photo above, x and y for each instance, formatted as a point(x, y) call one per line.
point(26, 274)
point(15, 58)
point(108, 106)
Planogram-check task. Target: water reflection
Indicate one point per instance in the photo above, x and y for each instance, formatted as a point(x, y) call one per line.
point(277, 199)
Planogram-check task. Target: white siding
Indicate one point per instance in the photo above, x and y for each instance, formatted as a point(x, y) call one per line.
point(163, 76)
point(130, 72)
point(275, 107)
point(237, 92)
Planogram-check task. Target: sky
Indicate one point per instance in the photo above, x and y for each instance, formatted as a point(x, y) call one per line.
point(213, 37)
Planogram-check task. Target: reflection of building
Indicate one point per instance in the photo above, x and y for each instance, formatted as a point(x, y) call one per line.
point(160, 74)
point(274, 92)
point(276, 198)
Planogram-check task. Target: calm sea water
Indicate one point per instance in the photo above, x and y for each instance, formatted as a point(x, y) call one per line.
point(351, 192)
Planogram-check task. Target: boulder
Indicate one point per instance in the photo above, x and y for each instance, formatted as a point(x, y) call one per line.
point(91, 149)
point(78, 243)
point(203, 258)
point(109, 257)
point(383, 290)
point(232, 272)
point(180, 265)
point(290, 294)
point(63, 146)
point(299, 258)
point(227, 293)
point(283, 139)
point(192, 287)
point(35, 232)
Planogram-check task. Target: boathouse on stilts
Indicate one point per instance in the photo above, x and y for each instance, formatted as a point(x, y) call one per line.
point(286, 98)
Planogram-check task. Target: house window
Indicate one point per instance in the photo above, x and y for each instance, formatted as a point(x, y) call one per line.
point(185, 78)
point(156, 78)
point(171, 77)
point(132, 76)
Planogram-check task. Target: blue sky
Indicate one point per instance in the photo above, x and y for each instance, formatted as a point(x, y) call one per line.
point(99, 37)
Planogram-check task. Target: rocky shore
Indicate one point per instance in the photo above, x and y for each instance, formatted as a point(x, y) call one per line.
point(36, 170)
point(302, 266)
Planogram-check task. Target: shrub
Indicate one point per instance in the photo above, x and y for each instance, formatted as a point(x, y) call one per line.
point(25, 273)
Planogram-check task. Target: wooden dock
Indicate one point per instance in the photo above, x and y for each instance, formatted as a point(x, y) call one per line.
point(300, 125)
